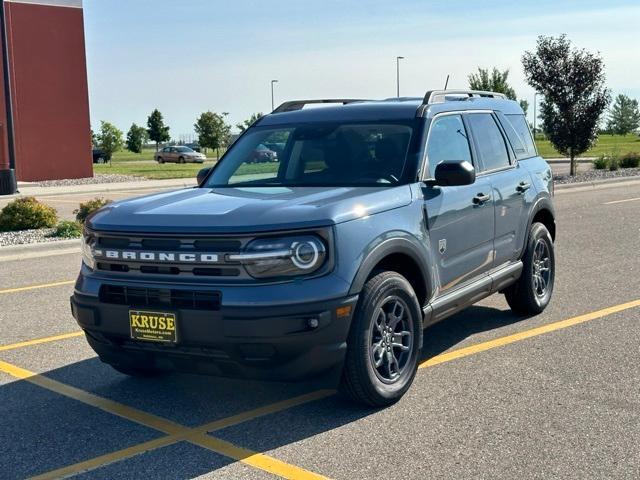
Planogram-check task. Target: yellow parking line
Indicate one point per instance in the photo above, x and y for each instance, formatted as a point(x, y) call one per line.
point(38, 341)
point(516, 337)
point(198, 436)
point(622, 201)
point(36, 287)
point(254, 459)
point(193, 434)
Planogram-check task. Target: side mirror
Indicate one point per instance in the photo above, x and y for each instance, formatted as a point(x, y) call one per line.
point(202, 174)
point(455, 173)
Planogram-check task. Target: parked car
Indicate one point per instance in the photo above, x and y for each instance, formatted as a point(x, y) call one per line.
point(382, 218)
point(180, 154)
point(262, 154)
point(99, 156)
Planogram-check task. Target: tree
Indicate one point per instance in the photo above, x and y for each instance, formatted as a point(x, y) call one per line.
point(524, 105)
point(109, 139)
point(157, 130)
point(572, 84)
point(213, 130)
point(624, 116)
point(136, 136)
point(494, 82)
point(249, 121)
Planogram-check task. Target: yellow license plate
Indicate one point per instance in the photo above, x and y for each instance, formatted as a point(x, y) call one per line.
point(153, 326)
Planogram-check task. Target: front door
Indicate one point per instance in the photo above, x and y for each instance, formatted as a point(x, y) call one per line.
point(460, 219)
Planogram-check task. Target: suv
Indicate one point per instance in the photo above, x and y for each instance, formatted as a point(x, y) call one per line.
point(378, 219)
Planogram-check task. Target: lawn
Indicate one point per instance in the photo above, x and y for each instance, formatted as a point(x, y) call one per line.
point(607, 144)
point(127, 163)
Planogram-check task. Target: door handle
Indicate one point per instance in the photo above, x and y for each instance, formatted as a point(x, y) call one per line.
point(481, 198)
point(523, 187)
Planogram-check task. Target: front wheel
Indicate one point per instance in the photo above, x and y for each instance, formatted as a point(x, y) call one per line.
point(160, 160)
point(384, 342)
point(532, 292)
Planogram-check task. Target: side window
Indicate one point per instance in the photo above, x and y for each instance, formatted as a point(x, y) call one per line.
point(519, 124)
point(490, 142)
point(165, 149)
point(448, 140)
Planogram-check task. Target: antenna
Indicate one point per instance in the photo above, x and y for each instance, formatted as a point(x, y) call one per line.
point(446, 82)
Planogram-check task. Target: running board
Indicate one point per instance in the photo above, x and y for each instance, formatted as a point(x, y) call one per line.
point(459, 299)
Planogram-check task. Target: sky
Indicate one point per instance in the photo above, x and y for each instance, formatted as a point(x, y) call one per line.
point(189, 56)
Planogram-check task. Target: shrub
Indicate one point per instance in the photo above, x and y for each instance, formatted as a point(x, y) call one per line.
point(68, 229)
point(89, 207)
point(630, 160)
point(27, 213)
point(614, 163)
point(601, 162)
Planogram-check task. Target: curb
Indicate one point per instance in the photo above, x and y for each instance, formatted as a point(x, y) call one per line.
point(42, 249)
point(30, 191)
point(597, 184)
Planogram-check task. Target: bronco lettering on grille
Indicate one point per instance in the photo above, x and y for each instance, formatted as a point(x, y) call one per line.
point(159, 257)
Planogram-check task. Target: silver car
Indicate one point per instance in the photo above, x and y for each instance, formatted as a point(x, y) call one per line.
point(180, 154)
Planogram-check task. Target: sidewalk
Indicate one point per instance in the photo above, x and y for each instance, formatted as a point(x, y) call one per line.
point(30, 189)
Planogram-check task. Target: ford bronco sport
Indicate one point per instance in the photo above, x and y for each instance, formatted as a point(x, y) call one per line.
point(377, 219)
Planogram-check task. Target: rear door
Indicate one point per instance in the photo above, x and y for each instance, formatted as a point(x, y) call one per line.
point(509, 183)
point(460, 219)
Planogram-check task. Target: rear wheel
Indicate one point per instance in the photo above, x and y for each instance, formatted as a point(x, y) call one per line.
point(160, 160)
point(532, 292)
point(384, 342)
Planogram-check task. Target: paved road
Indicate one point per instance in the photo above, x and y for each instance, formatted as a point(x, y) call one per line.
point(499, 396)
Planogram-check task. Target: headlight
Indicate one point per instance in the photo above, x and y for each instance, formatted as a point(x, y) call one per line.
point(88, 242)
point(282, 257)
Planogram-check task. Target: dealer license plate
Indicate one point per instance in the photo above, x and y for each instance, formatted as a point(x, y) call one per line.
point(153, 326)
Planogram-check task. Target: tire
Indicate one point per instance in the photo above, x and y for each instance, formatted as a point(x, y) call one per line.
point(181, 160)
point(160, 160)
point(379, 304)
point(532, 292)
point(136, 372)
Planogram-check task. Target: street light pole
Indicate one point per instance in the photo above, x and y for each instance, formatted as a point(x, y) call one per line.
point(398, 75)
point(535, 103)
point(272, 102)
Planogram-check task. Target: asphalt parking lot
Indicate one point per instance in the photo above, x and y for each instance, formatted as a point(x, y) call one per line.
point(497, 396)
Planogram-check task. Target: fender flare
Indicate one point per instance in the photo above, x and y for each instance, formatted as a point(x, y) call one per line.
point(541, 203)
point(408, 246)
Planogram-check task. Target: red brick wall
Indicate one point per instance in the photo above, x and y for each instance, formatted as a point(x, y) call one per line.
point(49, 83)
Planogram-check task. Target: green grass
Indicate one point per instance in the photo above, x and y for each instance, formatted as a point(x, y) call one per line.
point(125, 162)
point(607, 144)
point(152, 170)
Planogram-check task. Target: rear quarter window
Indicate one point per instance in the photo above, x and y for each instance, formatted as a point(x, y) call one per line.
point(519, 136)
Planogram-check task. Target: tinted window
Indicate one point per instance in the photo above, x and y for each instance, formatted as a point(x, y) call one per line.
point(489, 140)
point(519, 124)
point(323, 154)
point(448, 140)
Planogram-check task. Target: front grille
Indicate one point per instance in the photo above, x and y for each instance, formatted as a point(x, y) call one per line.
point(220, 246)
point(160, 297)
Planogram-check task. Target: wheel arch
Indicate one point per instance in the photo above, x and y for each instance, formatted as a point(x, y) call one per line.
point(543, 212)
point(400, 255)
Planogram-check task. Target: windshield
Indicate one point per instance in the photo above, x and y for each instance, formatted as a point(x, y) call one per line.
point(184, 149)
point(316, 155)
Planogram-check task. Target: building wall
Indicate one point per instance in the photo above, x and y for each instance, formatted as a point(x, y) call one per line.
point(49, 88)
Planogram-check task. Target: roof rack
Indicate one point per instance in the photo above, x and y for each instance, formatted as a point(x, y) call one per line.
point(299, 104)
point(439, 96)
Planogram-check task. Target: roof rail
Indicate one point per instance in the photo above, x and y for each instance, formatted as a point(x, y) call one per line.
point(439, 96)
point(299, 104)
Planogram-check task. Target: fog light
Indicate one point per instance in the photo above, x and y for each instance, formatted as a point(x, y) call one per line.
point(313, 323)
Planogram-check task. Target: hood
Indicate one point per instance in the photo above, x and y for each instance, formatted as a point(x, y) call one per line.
point(230, 210)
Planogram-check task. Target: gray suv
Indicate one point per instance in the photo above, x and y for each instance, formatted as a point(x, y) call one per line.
point(377, 219)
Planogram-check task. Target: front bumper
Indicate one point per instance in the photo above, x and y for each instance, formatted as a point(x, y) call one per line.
point(275, 342)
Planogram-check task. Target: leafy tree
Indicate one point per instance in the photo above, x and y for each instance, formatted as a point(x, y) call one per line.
point(213, 130)
point(249, 121)
point(572, 84)
point(624, 116)
point(157, 130)
point(524, 105)
point(494, 81)
point(136, 136)
point(109, 139)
